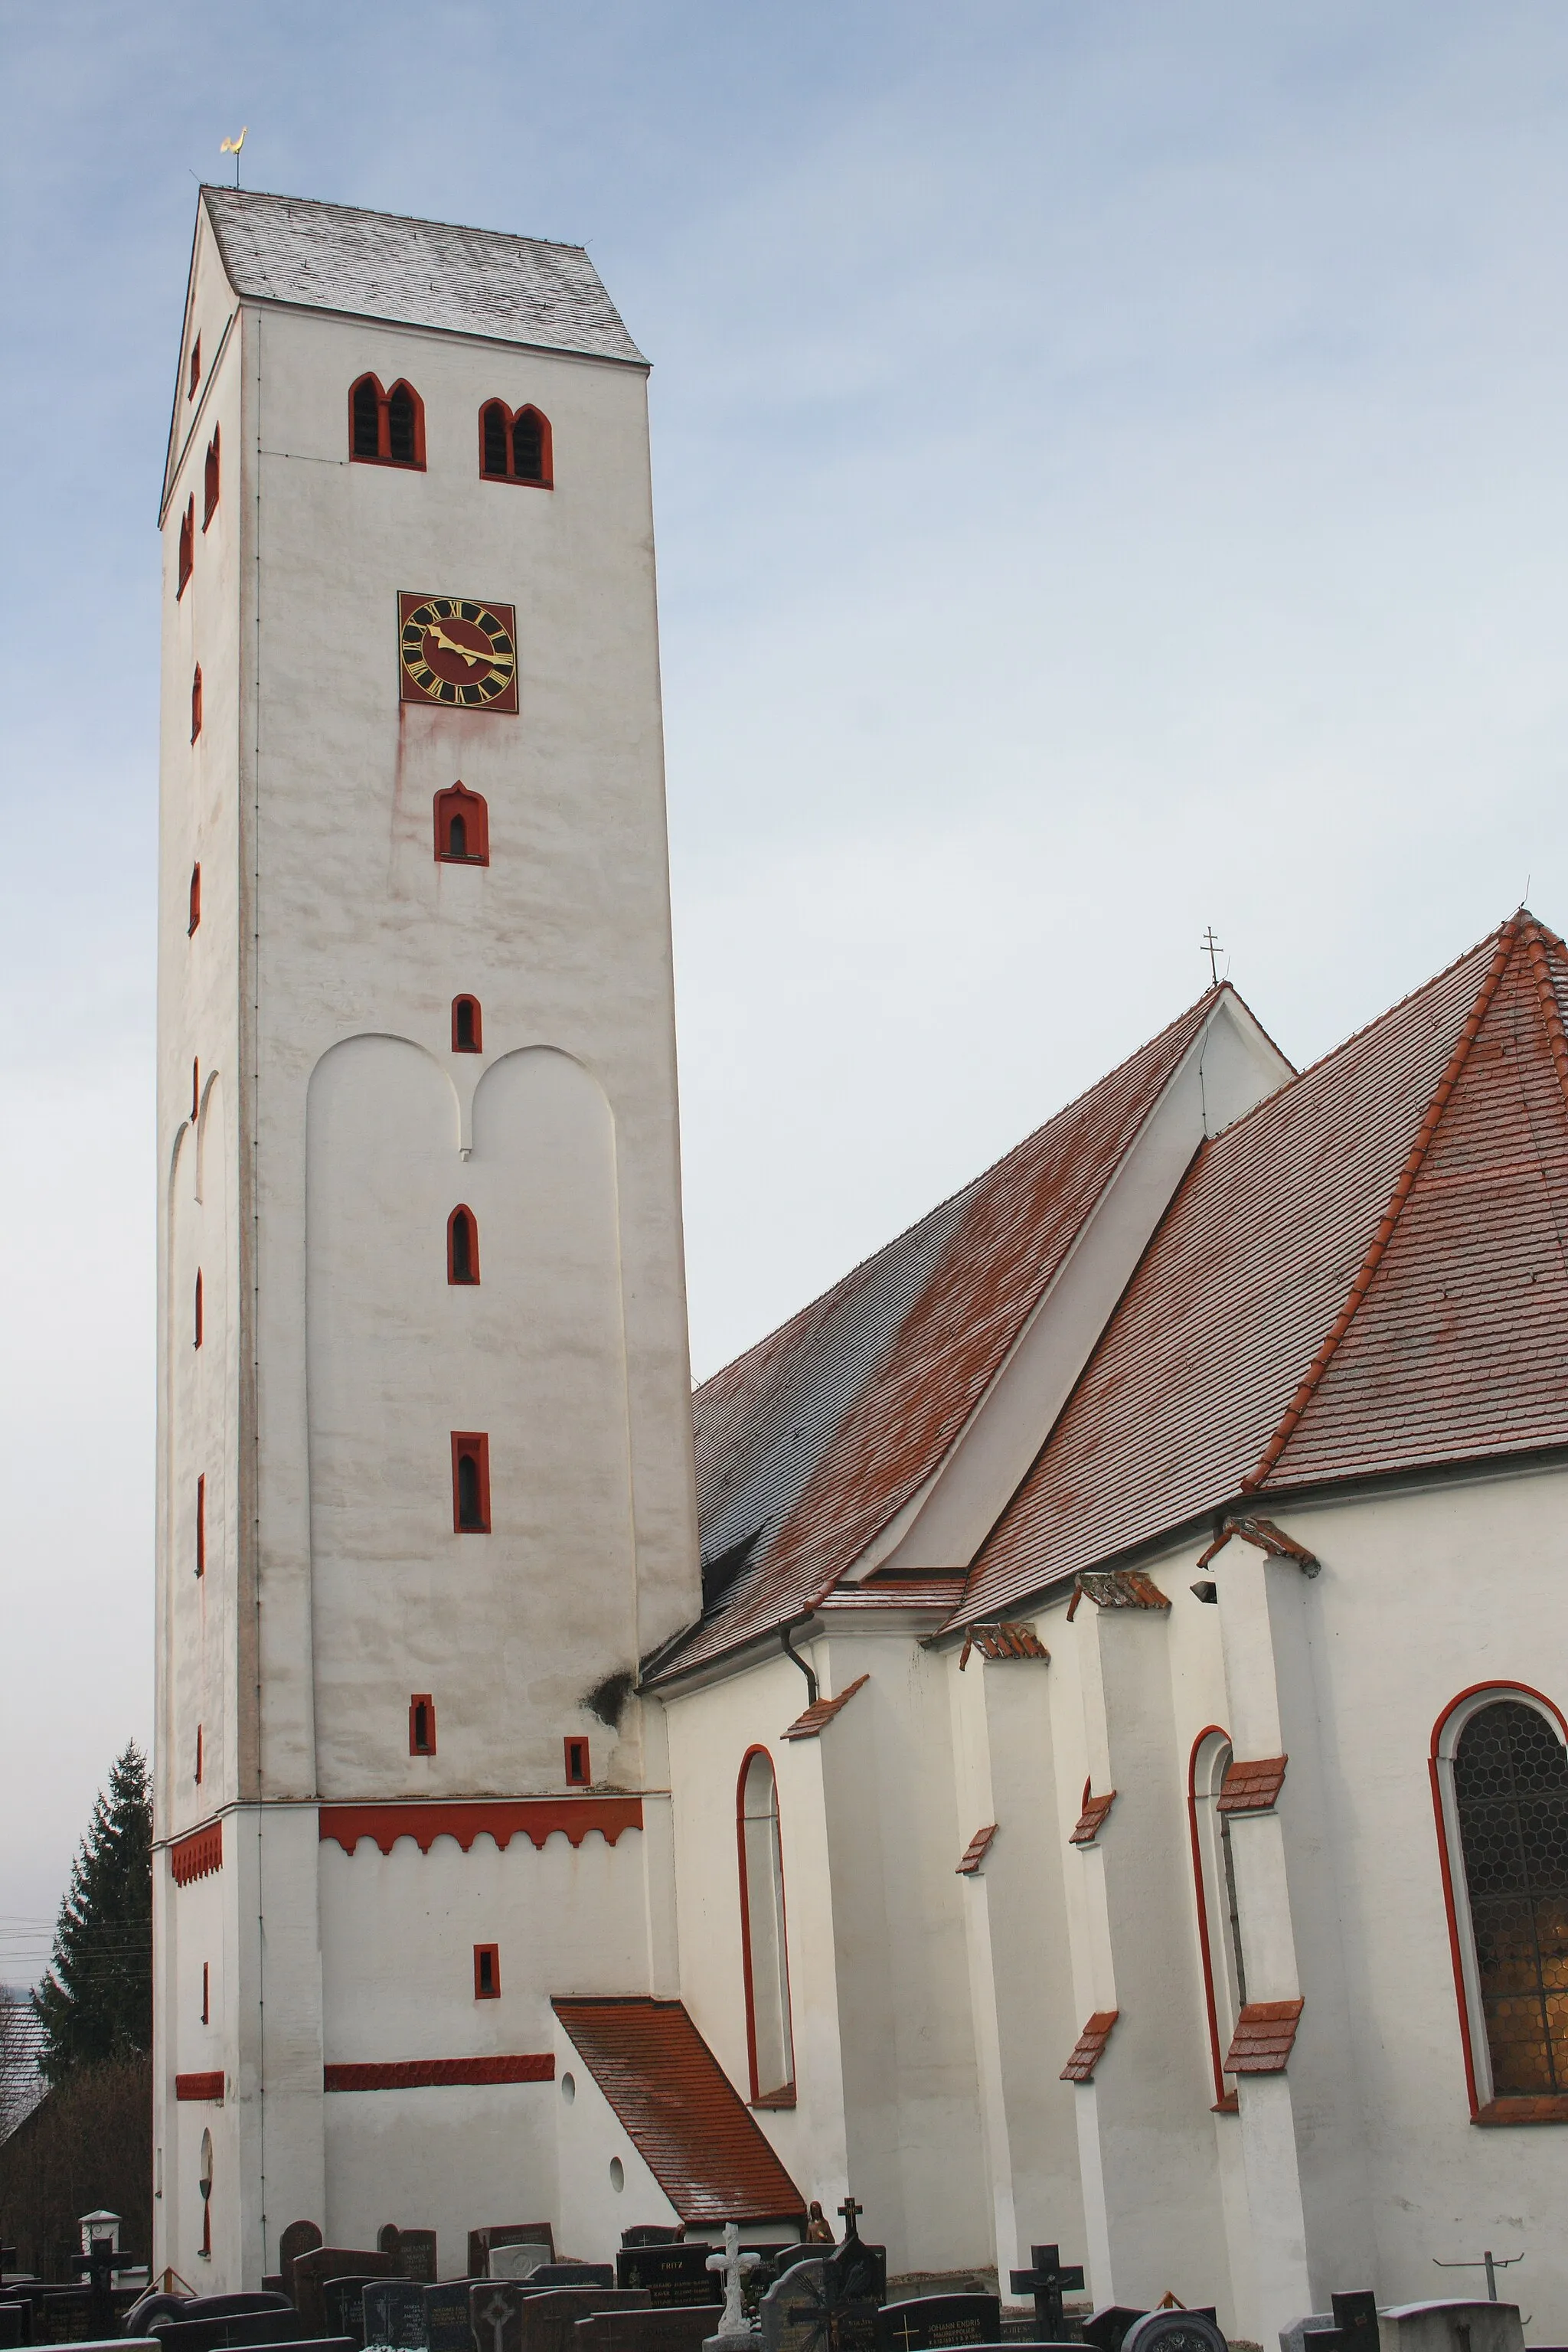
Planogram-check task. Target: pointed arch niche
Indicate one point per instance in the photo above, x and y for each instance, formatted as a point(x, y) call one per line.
point(1219, 1914)
point(765, 1954)
point(462, 828)
point(1499, 1788)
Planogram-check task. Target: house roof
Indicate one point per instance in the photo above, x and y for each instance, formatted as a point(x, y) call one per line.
point(681, 2111)
point(1366, 1272)
point(810, 1443)
point(472, 281)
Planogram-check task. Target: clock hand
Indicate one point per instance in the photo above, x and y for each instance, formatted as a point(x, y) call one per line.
point(467, 653)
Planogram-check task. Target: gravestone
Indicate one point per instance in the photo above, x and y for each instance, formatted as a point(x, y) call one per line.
point(64, 2318)
point(505, 2234)
point(1295, 2338)
point(418, 2252)
point(932, 2320)
point(1176, 2331)
point(217, 2331)
point(652, 2234)
point(584, 2274)
point(447, 2327)
point(299, 2238)
point(1046, 2281)
point(521, 2262)
point(1109, 2325)
point(549, 2319)
point(672, 2328)
point(389, 2241)
point(344, 2299)
point(14, 2326)
point(394, 2315)
point(672, 2275)
point(1356, 2321)
point(495, 2312)
point(828, 2302)
point(312, 2270)
point(1452, 2327)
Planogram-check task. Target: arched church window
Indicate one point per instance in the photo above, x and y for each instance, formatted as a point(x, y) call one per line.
point(466, 1028)
point(386, 428)
point(210, 480)
point(516, 445)
point(462, 1246)
point(187, 548)
point(470, 1482)
point(462, 828)
point(763, 1948)
point(195, 915)
point(1500, 1763)
point(1219, 1915)
point(196, 703)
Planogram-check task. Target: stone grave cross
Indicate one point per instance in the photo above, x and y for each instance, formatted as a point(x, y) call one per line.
point(733, 2267)
point(1048, 2281)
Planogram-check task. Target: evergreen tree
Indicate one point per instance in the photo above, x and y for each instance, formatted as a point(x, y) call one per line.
point(96, 2001)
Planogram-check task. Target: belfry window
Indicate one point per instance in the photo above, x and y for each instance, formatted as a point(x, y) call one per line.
point(1503, 1769)
point(516, 446)
point(187, 548)
point(470, 1482)
point(462, 1246)
point(466, 1029)
point(386, 428)
point(210, 481)
point(763, 1951)
point(462, 828)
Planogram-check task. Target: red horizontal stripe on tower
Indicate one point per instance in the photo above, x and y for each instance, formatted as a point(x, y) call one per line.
point(433, 2074)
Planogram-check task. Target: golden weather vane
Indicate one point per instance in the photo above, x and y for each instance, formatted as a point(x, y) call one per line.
point(232, 147)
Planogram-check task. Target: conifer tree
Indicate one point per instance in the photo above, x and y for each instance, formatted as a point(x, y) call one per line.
point(96, 1999)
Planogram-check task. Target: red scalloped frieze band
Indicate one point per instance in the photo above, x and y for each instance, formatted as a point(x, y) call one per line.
point(536, 1817)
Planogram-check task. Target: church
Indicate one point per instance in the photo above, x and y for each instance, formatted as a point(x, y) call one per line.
point(1064, 1741)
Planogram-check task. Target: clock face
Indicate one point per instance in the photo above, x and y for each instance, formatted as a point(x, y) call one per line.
point(457, 652)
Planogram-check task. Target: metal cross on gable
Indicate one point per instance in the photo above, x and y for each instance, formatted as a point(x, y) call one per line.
point(1047, 2282)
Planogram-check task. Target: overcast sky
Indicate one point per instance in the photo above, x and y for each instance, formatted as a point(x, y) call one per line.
point(1110, 480)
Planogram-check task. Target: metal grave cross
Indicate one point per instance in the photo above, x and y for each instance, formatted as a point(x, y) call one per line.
point(1047, 2282)
point(849, 2210)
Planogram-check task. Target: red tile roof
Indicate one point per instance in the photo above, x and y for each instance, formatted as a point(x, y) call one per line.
point(1089, 2047)
point(811, 1442)
point(1363, 1273)
point(822, 1711)
point(1252, 1788)
point(976, 1851)
point(681, 2111)
point(1093, 1819)
point(1264, 2037)
point(1003, 1640)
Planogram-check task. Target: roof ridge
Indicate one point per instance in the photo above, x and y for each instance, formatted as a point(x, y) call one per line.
point(1507, 940)
point(1210, 995)
point(373, 211)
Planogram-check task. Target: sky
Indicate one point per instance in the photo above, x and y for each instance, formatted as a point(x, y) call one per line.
point(1109, 470)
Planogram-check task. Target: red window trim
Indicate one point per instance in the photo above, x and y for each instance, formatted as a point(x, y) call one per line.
point(546, 447)
point(417, 1700)
point(193, 925)
point(211, 478)
point(583, 1777)
point(1488, 2114)
point(474, 1441)
point(490, 1991)
point(783, 2096)
point(457, 799)
point(415, 464)
point(479, 1044)
point(195, 702)
point(202, 1524)
point(186, 561)
point(1224, 2099)
point(470, 1280)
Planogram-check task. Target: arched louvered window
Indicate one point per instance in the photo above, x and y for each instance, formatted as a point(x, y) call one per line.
point(386, 428)
point(462, 1245)
point(462, 828)
point(515, 446)
point(764, 1948)
point(1500, 1762)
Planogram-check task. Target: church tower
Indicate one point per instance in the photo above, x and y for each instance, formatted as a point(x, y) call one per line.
point(425, 1481)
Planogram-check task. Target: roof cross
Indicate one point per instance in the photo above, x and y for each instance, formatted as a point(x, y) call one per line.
point(1209, 945)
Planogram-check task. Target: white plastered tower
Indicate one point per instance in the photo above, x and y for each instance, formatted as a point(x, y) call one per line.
point(316, 1132)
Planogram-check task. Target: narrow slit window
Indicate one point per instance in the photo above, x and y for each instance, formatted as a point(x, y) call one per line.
point(578, 1771)
point(210, 480)
point(515, 446)
point(195, 1089)
point(187, 556)
point(467, 1027)
point(196, 703)
point(198, 1755)
point(763, 1948)
point(207, 1993)
point(462, 828)
point(202, 1525)
point(470, 1482)
point(195, 915)
point(422, 1725)
point(487, 1971)
point(462, 1245)
point(196, 375)
point(196, 1312)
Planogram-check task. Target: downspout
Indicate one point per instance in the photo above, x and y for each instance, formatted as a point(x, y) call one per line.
point(795, 1661)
